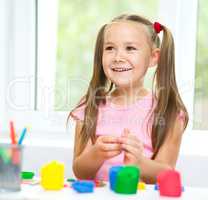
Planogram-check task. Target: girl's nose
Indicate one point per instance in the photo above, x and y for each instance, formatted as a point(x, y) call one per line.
point(119, 56)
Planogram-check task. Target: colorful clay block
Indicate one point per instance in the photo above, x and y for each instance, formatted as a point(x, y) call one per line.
point(156, 187)
point(113, 176)
point(141, 186)
point(52, 176)
point(127, 180)
point(83, 186)
point(99, 183)
point(27, 175)
point(169, 183)
point(71, 180)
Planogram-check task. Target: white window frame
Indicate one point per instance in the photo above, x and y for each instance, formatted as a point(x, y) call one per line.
point(20, 67)
point(184, 28)
point(18, 76)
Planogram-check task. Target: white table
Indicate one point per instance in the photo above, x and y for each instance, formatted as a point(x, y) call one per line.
point(36, 192)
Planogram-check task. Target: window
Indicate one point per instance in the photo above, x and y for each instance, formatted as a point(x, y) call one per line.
point(42, 28)
point(201, 75)
point(62, 48)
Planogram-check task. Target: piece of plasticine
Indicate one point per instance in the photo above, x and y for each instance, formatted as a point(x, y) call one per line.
point(83, 186)
point(70, 180)
point(27, 175)
point(156, 187)
point(99, 183)
point(52, 176)
point(141, 186)
point(169, 183)
point(113, 176)
point(127, 180)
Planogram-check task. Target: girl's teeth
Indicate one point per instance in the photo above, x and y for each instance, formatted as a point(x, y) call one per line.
point(121, 70)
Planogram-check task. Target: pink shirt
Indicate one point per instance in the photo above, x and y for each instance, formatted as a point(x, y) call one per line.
point(112, 120)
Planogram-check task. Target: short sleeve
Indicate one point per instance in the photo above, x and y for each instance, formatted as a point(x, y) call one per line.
point(78, 113)
point(181, 117)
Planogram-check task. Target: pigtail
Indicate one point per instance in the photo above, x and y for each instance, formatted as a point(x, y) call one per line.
point(95, 95)
point(165, 72)
point(169, 102)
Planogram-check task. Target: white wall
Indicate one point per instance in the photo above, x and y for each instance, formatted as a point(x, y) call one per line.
point(34, 157)
point(193, 169)
point(4, 51)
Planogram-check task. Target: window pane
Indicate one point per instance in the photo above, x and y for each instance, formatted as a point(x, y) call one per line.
point(78, 24)
point(201, 77)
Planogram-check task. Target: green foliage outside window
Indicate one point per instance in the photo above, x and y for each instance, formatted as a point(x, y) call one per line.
point(201, 76)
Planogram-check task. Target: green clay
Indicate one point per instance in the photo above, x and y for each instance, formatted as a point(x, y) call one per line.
point(127, 180)
point(27, 175)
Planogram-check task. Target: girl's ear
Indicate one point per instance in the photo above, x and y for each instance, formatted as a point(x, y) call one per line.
point(154, 57)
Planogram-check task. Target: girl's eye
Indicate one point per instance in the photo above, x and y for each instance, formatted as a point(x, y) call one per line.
point(130, 48)
point(109, 48)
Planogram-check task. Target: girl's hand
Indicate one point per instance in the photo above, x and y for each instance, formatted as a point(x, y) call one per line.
point(107, 147)
point(133, 148)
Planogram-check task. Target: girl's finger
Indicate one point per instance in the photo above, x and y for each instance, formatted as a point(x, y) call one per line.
point(110, 147)
point(130, 135)
point(134, 142)
point(110, 154)
point(132, 149)
point(126, 132)
point(129, 155)
point(109, 139)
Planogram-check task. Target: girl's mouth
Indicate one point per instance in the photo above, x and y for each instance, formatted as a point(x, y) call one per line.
point(121, 69)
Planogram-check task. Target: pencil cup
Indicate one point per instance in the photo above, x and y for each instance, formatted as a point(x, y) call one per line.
point(10, 167)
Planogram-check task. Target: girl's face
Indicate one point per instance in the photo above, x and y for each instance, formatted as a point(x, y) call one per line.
point(127, 53)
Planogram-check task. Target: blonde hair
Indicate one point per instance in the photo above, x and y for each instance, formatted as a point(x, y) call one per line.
point(169, 102)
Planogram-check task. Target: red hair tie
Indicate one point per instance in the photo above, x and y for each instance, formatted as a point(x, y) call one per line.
point(158, 27)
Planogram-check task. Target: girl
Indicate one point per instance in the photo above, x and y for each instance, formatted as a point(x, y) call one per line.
point(118, 121)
